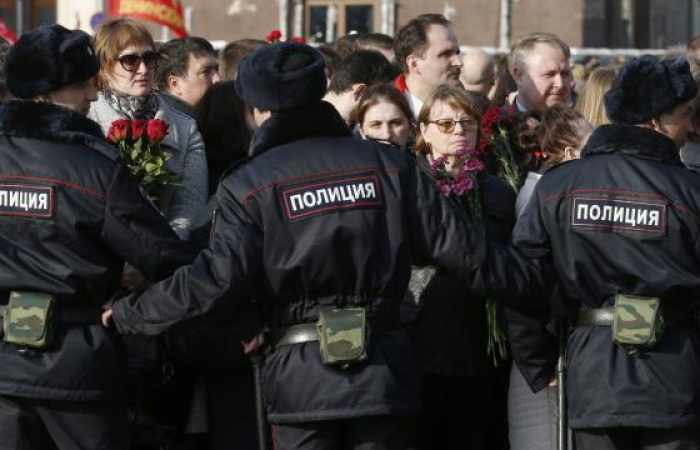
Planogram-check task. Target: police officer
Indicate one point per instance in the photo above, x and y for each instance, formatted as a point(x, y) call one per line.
point(621, 226)
point(70, 216)
point(320, 227)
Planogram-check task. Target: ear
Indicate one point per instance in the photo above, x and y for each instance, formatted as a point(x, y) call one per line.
point(173, 83)
point(518, 73)
point(421, 128)
point(412, 63)
point(358, 89)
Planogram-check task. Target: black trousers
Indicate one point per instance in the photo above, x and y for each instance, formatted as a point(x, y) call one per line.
point(637, 438)
point(31, 424)
point(366, 433)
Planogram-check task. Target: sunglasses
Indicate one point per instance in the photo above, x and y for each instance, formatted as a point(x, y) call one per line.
point(132, 61)
point(448, 125)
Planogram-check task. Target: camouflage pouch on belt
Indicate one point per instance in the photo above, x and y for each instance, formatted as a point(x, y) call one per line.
point(637, 321)
point(28, 319)
point(343, 336)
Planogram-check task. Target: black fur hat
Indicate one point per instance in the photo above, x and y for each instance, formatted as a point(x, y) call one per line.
point(48, 58)
point(281, 76)
point(645, 88)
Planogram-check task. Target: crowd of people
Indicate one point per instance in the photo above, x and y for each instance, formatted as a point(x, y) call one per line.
point(412, 238)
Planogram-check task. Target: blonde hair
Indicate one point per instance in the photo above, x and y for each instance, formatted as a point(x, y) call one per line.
point(471, 103)
point(590, 102)
point(114, 36)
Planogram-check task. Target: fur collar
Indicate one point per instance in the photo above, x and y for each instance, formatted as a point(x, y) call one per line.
point(48, 122)
point(320, 119)
point(631, 140)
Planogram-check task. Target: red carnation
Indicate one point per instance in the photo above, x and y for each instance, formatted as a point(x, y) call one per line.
point(274, 36)
point(156, 129)
point(119, 130)
point(137, 128)
point(299, 40)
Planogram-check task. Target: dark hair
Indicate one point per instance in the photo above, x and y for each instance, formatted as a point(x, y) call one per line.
point(412, 38)
point(377, 40)
point(549, 132)
point(175, 57)
point(233, 53)
point(344, 46)
point(381, 93)
point(363, 66)
point(459, 98)
point(503, 81)
point(331, 58)
point(221, 120)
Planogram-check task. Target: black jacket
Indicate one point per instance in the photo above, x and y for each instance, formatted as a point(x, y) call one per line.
point(623, 219)
point(318, 218)
point(451, 331)
point(72, 243)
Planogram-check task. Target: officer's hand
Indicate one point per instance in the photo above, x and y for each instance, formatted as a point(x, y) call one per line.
point(107, 318)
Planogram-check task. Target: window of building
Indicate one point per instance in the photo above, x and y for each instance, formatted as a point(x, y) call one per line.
point(326, 18)
point(34, 13)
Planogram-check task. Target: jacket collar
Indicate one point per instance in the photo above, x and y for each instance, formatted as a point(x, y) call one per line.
point(177, 103)
point(46, 121)
point(631, 140)
point(320, 119)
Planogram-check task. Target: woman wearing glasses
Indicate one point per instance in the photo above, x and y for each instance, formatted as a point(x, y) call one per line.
point(451, 332)
point(128, 61)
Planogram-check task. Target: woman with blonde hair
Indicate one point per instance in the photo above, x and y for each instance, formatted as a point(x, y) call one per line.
point(590, 102)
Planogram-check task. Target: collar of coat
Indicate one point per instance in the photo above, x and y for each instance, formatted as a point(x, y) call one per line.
point(631, 140)
point(48, 122)
point(283, 127)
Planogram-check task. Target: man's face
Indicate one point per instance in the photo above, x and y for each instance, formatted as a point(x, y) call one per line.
point(202, 73)
point(544, 79)
point(676, 125)
point(440, 63)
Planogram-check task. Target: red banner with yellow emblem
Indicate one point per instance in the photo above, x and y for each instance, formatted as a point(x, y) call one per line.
point(164, 12)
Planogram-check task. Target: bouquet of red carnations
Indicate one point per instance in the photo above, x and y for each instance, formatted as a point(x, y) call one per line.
point(139, 144)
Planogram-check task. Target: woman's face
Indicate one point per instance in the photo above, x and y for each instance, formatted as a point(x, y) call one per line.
point(385, 121)
point(449, 130)
point(134, 71)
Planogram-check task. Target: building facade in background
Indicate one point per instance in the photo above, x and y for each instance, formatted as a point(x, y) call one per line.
point(582, 23)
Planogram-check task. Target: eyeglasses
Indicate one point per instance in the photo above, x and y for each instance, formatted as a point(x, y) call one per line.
point(448, 125)
point(132, 61)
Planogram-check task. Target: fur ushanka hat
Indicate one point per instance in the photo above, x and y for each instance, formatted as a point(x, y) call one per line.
point(645, 88)
point(281, 76)
point(48, 58)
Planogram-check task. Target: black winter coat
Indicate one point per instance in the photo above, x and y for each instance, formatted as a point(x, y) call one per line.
point(451, 331)
point(317, 218)
point(73, 245)
point(623, 219)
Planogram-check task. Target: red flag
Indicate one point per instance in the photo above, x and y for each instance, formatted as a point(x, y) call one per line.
point(6, 33)
point(164, 12)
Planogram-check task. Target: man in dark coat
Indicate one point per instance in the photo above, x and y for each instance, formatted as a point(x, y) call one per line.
point(316, 221)
point(82, 217)
point(623, 221)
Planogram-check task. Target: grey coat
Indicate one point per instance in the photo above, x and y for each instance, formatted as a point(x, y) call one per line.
point(184, 203)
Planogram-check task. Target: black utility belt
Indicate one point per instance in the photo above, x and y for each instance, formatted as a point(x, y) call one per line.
point(637, 322)
point(342, 333)
point(72, 315)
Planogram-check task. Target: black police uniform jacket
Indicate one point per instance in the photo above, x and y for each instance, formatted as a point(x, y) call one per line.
point(317, 218)
point(70, 215)
point(624, 219)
